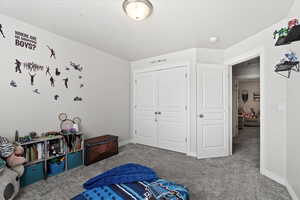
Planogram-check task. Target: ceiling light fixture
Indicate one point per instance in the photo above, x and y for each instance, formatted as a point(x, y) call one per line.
point(214, 39)
point(138, 9)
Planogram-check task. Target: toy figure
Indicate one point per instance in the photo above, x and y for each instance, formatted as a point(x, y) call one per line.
point(11, 154)
point(291, 56)
point(281, 33)
point(292, 23)
point(57, 73)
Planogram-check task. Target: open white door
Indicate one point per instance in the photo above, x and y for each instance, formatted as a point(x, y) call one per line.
point(212, 111)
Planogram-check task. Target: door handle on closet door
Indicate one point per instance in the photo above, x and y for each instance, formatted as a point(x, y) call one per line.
point(201, 116)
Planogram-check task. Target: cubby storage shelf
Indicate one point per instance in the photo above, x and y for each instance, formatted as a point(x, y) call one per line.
point(38, 168)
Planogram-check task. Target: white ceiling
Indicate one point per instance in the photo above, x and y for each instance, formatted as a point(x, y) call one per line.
point(174, 25)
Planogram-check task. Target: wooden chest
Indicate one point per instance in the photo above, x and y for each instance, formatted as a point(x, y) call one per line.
point(99, 148)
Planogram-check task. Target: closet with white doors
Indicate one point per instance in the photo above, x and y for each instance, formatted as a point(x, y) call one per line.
point(161, 108)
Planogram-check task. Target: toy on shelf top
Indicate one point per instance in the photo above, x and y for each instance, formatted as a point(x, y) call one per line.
point(288, 34)
point(288, 63)
point(292, 23)
point(289, 57)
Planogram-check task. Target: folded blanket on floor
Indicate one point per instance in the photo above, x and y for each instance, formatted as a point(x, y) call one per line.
point(143, 190)
point(124, 174)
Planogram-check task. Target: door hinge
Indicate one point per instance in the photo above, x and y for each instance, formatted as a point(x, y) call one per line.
point(186, 75)
point(135, 81)
point(135, 106)
point(185, 107)
point(185, 139)
point(135, 132)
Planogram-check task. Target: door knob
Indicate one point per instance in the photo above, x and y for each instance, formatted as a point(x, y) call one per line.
point(201, 116)
point(159, 113)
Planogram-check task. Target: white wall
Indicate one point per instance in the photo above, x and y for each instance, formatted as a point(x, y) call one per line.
point(192, 56)
point(274, 147)
point(105, 106)
point(281, 149)
point(293, 110)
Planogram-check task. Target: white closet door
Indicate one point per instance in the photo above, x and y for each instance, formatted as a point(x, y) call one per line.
point(145, 108)
point(212, 110)
point(172, 109)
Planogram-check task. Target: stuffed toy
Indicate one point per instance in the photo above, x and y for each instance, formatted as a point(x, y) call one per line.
point(10, 153)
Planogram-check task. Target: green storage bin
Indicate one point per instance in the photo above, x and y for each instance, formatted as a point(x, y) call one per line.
point(32, 174)
point(74, 160)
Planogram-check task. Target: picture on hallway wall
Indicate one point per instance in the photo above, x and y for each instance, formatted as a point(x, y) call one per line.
point(245, 96)
point(25, 40)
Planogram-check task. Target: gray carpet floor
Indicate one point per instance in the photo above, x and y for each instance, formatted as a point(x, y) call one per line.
point(233, 178)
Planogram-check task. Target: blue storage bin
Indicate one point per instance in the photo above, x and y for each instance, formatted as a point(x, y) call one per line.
point(74, 160)
point(32, 174)
point(56, 168)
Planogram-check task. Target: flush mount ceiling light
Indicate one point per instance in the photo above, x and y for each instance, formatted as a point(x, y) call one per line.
point(138, 9)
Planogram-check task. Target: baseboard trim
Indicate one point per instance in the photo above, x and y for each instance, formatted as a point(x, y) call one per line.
point(124, 142)
point(192, 154)
point(282, 181)
point(273, 176)
point(292, 192)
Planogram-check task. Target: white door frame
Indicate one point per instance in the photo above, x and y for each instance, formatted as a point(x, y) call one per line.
point(159, 68)
point(259, 52)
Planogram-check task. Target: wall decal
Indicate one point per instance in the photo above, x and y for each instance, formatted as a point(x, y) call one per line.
point(56, 97)
point(81, 85)
point(52, 52)
point(1, 31)
point(66, 80)
point(48, 71)
point(32, 78)
point(36, 91)
point(57, 73)
point(31, 66)
point(13, 83)
point(25, 40)
point(77, 99)
point(52, 81)
point(67, 68)
point(76, 66)
point(18, 66)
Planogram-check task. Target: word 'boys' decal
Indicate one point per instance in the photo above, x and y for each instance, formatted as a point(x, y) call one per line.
point(25, 40)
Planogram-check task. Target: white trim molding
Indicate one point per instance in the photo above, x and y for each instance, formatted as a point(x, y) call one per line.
point(258, 52)
point(125, 142)
point(281, 181)
point(292, 192)
point(273, 176)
